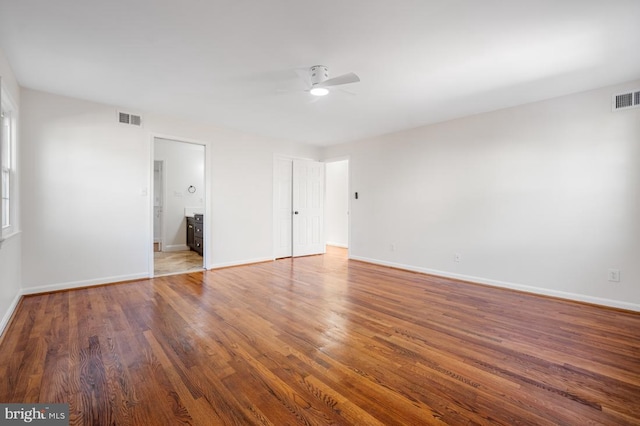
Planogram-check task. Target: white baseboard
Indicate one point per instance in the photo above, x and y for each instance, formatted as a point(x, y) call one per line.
point(330, 243)
point(239, 263)
point(9, 313)
point(514, 286)
point(85, 283)
point(176, 247)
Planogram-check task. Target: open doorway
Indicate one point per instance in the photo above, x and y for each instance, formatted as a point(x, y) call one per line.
point(337, 203)
point(178, 206)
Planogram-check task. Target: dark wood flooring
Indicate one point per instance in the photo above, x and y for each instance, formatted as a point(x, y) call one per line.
point(321, 340)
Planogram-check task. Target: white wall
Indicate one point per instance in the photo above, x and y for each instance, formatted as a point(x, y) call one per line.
point(10, 263)
point(337, 203)
point(543, 197)
point(85, 219)
point(183, 167)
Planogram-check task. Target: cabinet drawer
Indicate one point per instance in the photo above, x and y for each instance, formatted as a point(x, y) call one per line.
point(190, 231)
point(197, 230)
point(198, 218)
point(197, 245)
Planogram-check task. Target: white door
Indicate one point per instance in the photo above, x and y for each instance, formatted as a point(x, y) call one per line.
point(308, 208)
point(298, 207)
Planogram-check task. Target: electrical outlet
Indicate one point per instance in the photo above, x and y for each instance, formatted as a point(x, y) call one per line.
point(614, 275)
point(457, 257)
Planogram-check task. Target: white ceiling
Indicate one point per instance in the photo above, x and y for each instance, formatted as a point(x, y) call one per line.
point(232, 62)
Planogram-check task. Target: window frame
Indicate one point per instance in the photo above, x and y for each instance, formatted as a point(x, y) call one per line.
point(8, 167)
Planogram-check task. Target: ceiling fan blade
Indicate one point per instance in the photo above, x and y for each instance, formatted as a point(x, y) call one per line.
point(341, 79)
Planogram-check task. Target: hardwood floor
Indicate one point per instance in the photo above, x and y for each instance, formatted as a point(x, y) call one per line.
point(321, 340)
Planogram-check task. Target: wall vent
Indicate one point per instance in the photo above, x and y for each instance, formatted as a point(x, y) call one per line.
point(126, 118)
point(626, 100)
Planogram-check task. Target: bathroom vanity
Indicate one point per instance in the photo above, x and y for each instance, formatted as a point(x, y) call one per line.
point(194, 233)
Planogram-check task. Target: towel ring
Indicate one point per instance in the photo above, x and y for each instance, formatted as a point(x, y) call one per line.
point(191, 189)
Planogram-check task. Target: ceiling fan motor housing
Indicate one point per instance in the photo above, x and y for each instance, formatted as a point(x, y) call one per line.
point(319, 73)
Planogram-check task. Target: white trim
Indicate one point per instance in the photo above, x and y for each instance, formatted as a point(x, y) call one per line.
point(8, 237)
point(336, 159)
point(11, 235)
point(160, 239)
point(84, 283)
point(293, 157)
point(190, 271)
point(176, 247)
point(151, 192)
point(331, 243)
point(503, 284)
point(240, 263)
point(10, 311)
point(178, 139)
point(274, 204)
point(9, 104)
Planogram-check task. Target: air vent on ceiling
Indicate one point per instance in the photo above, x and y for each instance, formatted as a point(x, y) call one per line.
point(126, 118)
point(626, 100)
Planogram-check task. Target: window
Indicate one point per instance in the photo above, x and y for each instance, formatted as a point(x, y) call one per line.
point(8, 210)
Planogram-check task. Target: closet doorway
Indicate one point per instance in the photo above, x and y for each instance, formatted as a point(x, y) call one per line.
point(178, 206)
point(337, 203)
point(298, 207)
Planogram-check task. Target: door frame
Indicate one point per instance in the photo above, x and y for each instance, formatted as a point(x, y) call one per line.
point(207, 227)
point(164, 197)
point(349, 196)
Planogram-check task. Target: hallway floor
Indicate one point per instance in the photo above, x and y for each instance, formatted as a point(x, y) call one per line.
point(172, 262)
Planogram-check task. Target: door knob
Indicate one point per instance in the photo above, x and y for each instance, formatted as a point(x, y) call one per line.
point(296, 212)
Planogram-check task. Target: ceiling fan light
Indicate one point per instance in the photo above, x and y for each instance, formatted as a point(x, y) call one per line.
point(319, 91)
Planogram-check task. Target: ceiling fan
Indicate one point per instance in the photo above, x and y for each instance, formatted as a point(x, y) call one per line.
point(318, 76)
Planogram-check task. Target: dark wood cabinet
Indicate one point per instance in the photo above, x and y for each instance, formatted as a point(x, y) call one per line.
point(195, 237)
